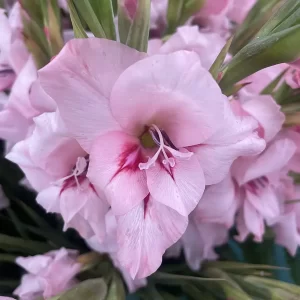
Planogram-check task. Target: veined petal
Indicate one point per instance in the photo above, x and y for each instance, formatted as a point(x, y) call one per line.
point(287, 233)
point(179, 187)
point(82, 90)
point(113, 167)
point(216, 160)
point(149, 221)
point(267, 112)
point(246, 169)
point(265, 202)
point(218, 204)
point(254, 221)
point(171, 102)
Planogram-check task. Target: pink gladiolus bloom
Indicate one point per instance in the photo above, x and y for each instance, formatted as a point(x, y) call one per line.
point(6, 298)
point(259, 179)
point(56, 167)
point(154, 140)
point(48, 274)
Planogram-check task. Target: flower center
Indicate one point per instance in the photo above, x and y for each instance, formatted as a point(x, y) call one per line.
point(147, 140)
point(157, 137)
point(77, 174)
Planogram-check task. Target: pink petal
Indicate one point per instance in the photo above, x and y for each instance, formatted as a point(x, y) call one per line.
point(217, 160)
point(247, 169)
point(87, 84)
point(171, 102)
point(7, 77)
point(199, 242)
point(147, 222)
point(286, 231)
point(218, 204)
point(180, 187)
point(72, 200)
point(253, 221)
point(49, 199)
point(33, 264)
point(215, 7)
point(265, 110)
point(114, 168)
point(39, 100)
point(50, 147)
point(266, 202)
point(38, 178)
point(19, 97)
point(239, 10)
point(31, 287)
point(206, 44)
point(5, 35)
point(154, 46)
point(13, 126)
point(235, 138)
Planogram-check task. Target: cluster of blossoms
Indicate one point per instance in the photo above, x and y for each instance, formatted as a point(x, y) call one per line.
point(141, 153)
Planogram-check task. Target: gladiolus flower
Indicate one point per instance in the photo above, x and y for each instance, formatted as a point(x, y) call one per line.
point(154, 141)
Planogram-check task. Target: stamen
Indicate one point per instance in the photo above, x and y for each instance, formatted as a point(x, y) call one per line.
point(159, 137)
point(80, 167)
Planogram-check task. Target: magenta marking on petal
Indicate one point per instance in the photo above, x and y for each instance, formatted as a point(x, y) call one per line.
point(129, 160)
point(71, 183)
point(146, 201)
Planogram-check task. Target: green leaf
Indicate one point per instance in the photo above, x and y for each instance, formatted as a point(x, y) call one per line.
point(124, 22)
point(216, 66)
point(270, 88)
point(54, 27)
point(7, 258)
point(195, 293)
point(79, 31)
point(34, 10)
point(292, 288)
point(190, 7)
point(36, 41)
point(139, 31)
point(173, 279)
point(85, 9)
point(92, 289)
point(288, 15)
point(174, 14)
point(13, 244)
point(254, 289)
point(116, 289)
point(236, 266)
point(19, 226)
point(256, 18)
point(48, 232)
point(104, 11)
point(179, 11)
point(235, 89)
point(261, 53)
